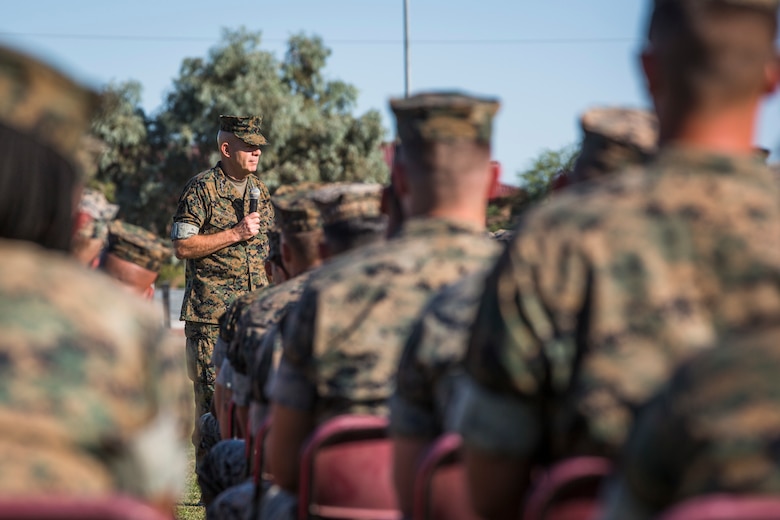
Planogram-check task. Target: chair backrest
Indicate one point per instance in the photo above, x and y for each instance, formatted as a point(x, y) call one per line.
point(68, 508)
point(726, 507)
point(569, 490)
point(440, 490)
point(346, 471)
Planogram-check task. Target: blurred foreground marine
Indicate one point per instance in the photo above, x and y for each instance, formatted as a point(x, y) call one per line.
point(430, 373)
point(609, 286)
point(82, 409)
point(353, 317)
point(713, 429)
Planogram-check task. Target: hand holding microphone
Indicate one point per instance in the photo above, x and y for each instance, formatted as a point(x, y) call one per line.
point(250, 224)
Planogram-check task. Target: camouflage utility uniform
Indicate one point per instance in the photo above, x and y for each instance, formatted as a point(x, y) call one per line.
point(714, 428)
point(606, 289)
point(430, 372)
point(208, 205)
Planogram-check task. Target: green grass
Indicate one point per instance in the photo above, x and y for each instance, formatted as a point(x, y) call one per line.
point(188, 508)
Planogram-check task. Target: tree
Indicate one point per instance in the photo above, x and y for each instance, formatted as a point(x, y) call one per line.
point(538, 177)
point(308, 120)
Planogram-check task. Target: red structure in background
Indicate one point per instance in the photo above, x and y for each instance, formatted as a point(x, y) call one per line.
point(501, 191)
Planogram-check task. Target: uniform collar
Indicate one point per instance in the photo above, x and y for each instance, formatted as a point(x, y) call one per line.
point(712, 162)
point(224, 186)
point(422, 226)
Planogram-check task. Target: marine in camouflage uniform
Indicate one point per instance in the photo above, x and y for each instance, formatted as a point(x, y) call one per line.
point(87, 371)
point(213, 203)
point(430, 372)
point(351, 218)
point(296, 214)
point(353, 318)
point(714, 428)
point(611, 284)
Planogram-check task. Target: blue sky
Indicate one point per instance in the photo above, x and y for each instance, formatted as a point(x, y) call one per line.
point(546, 60)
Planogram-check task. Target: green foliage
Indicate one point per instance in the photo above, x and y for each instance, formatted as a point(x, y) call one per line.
point(308, 120)
point(537, 178)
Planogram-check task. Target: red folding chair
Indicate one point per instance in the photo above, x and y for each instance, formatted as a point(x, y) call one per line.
point(726, 507)
point(569, 490)
point(440, 489)
point(69, 508)
point(346, 471)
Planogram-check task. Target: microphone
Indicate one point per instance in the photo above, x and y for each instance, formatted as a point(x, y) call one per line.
point(254, 196)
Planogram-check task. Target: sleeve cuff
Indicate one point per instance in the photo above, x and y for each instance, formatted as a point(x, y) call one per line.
point(408, 419)
point(290, 387)
point(497, 423)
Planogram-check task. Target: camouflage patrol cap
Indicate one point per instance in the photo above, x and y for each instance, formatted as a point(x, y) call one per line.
point(295, 210)
point(346, 201)
point(614, 137)
point(444, 116)
point(245, 128)
point(37, 100)
point(137, 245)
point(100, 211)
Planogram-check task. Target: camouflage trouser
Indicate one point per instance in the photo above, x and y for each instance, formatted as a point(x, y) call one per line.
point(201, 338)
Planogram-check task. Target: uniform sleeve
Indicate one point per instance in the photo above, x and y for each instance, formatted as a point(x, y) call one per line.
point(522, 345)
point(293, 383)
point(191, 214)
point(412, 412)
point(657, 454)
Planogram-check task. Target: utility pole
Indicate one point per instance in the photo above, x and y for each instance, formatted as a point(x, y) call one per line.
point(406, 48)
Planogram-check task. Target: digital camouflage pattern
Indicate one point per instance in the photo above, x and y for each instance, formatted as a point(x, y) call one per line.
point(430, 371)
point(137, 245)
point(613, 138)
point(201, 338)
point(259, 316)
point(38, 100)
point(354, 316)
point(443, 116)
point(610, 285)
point(714, 428)
point(246, 128)
point(296, 212)
point(348, 201)
point(209, 204)
point(88, 373)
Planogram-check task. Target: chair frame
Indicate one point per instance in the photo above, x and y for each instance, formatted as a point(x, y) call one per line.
point(725, 507)
point(341, 429)
point(562, 474)
point(444, 452)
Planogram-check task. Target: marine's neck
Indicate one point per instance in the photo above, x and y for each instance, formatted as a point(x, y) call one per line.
point(729, 131)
